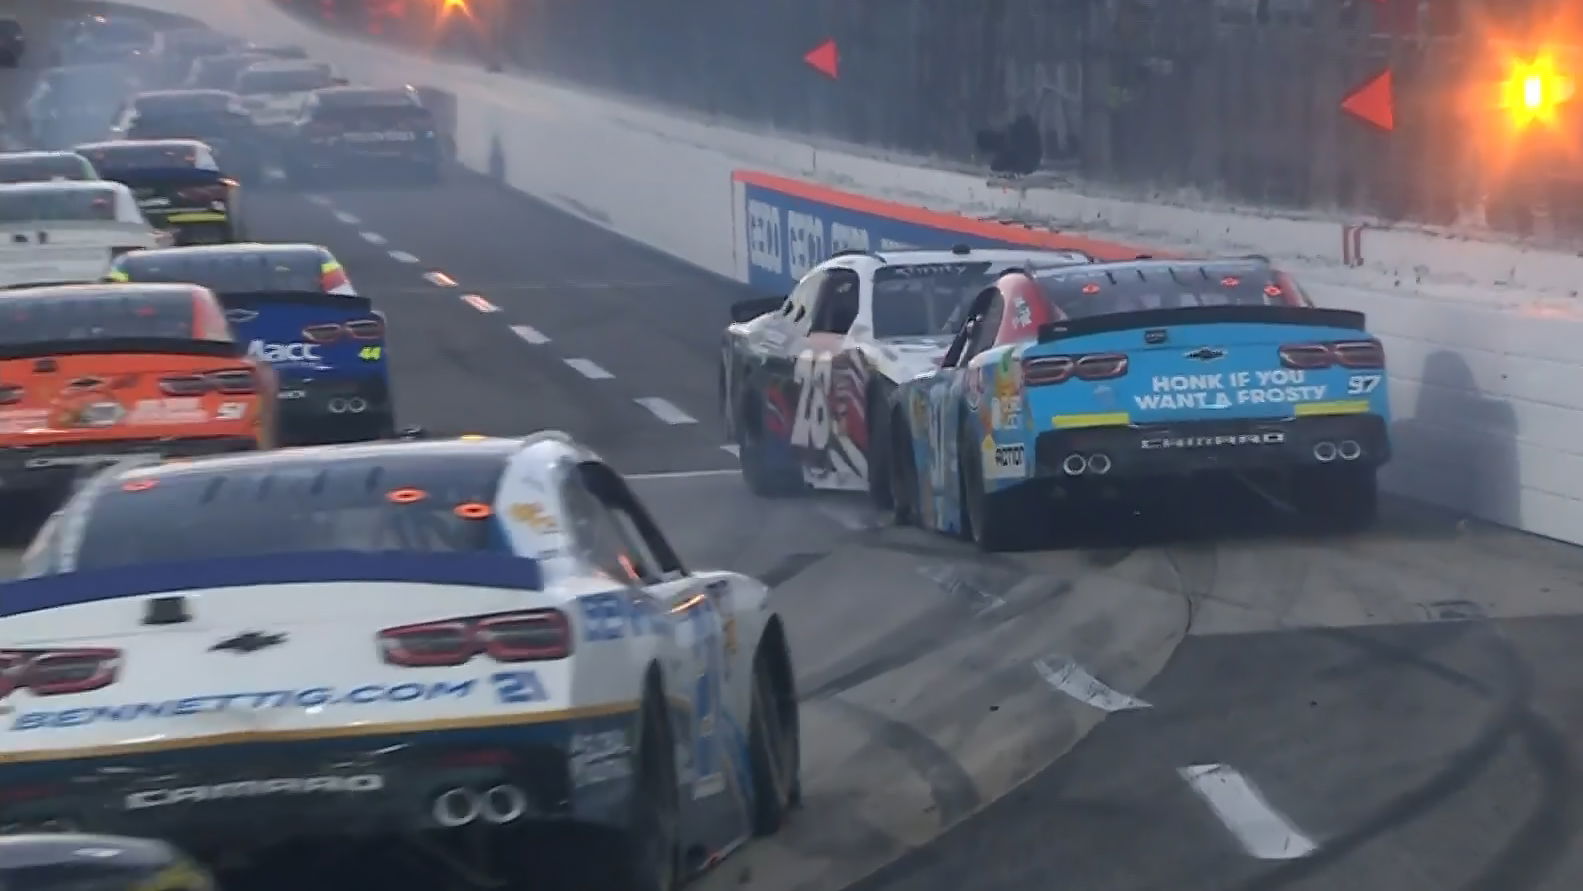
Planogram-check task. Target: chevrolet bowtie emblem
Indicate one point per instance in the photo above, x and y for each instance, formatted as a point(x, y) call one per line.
point(240, 315)
point(250, 642)
point(1206, 354)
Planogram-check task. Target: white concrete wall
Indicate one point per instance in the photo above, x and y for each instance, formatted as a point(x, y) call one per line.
point(1484, 338)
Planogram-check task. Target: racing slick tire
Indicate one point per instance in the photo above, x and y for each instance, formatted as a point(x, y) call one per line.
point(759, 470)
point(649, 857)
point(877, 412)
point(1342, 498)
point(999, 521)
point(774, 737)
point(902, 465)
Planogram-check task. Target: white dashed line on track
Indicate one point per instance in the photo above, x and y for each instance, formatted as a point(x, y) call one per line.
point(479, 303)
point(665, 411)
point(404, 257)
point(347, 218)
point(439, 279)
point(372, 237)
point(1259, 828)
point(733, 450)
point(529, 334)
point(587, 368)
point(319, 200)
point(680, 474)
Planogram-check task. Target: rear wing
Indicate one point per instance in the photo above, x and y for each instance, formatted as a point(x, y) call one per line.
point(470, 569)
point(1203, 315)
point(253, 300)
point(162, 176)
point(94, 346)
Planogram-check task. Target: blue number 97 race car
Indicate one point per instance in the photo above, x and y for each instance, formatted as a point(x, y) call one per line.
point(1111, 379)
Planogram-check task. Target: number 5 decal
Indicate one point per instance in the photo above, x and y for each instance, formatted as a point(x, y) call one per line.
point(1360, 384)
point(231, 411)
point(811, 426)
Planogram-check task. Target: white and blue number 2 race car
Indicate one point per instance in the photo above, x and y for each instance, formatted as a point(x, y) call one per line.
point(458, 642)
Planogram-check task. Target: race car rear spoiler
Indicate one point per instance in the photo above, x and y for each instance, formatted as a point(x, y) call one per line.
point(162, 176)
point(252, 299)
point(483, 570)
point(91, 346)
point(1202, 315)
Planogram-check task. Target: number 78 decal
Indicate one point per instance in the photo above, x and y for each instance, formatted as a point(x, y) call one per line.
point(811, 424)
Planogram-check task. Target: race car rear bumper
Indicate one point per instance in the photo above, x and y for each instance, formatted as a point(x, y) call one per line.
point(1206, 446)
point(248, 798)
point(344, 410)
point(44, 466)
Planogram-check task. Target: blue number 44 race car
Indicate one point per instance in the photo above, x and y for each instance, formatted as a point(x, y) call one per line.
point(1108, 379)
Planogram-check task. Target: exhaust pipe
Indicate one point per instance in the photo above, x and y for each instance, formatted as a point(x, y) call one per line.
point(337, 406)
point(456, 807)
point(1074, 465)
point(357, 405)
point(1350, 451)
point(503, 804)
point(1099, 463)
point(1325, 452)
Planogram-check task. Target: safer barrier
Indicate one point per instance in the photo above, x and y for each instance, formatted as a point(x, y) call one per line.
point(1486, 378)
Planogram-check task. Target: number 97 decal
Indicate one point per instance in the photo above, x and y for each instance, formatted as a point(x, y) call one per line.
point(1359, 384)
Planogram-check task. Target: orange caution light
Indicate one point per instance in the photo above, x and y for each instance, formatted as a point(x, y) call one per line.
point(405, 496)
point(474, 510)
point(1534, 90)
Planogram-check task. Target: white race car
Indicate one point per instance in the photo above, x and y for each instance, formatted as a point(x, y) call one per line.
point(68, 230)
point(452, 641)
point(805, 379)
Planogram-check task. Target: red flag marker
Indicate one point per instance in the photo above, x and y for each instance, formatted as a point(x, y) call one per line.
point(1373, 102)
point(825, 59)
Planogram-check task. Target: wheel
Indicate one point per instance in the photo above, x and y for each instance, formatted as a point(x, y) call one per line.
point(774, 739)
point(879, 452)
point(1339, 498)
point(999, 521)
point(648, 857)
point(902, 464)
point(764, 476)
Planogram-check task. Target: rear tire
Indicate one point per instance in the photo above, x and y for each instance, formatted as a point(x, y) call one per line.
point(762, 474)
point(995, 521)
point(1344, 498)
point(648, 857)
point(774, 741)
point(877, 414)
point(906, 493)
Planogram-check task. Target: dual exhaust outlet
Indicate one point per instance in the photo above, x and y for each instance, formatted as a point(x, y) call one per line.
point(1078, 464)
point(461, 806)
point(354, 406)
point(1346, 450)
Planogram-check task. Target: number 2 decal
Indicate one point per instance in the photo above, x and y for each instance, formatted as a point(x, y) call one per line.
point(1359, 384)
point(811, 426)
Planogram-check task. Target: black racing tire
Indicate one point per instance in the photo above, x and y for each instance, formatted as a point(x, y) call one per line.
point(774, 737)
point(763, 477)
point(995, 522)
point(648, 857)
point(902, 464)
point(1337, 497)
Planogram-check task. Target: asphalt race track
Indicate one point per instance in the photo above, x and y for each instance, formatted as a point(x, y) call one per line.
point(1203, 697)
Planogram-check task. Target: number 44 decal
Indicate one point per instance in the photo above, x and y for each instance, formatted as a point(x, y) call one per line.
point(811, 375)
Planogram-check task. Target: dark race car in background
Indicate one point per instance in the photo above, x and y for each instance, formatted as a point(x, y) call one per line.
point(805, 379)
point(176, 49)
point(1118, 380)
point(347, 131)
point(77, 103)
point(214, 117)
point(295, 308)
point(178, 184)
point(274, 91)
point(220, 72)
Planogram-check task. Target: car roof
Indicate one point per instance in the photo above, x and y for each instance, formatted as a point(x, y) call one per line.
point(40, 155)
point(166, 94)
point(140, 143)
point(64, 185)
point(921, 257)
point(107, 289)
point(1149, 267)
point(385, 454)
point(278, 65)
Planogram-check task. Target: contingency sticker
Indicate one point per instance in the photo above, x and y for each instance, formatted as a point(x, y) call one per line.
point(1003, 462)
point(1005, 407)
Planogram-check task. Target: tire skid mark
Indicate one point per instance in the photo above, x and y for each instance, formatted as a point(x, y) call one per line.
point(950, 787)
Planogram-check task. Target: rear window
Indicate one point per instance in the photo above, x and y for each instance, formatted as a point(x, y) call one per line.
point(417, 504)
point(72, 317)
point(141, 157)
point(41, 168)
point(196, 125)
point(220, 72)
point(61, 205)
point(230, 273)
point(181, 103)
point(293, 81)
point(344, 98)
point(1078, 293)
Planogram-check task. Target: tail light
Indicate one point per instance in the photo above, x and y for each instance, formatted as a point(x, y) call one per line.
point(10, 394)
point(530, 636)
point(230, 381)
point(359, 329)
point(1059, 369)
point(57, 672)
point(1347, 354)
